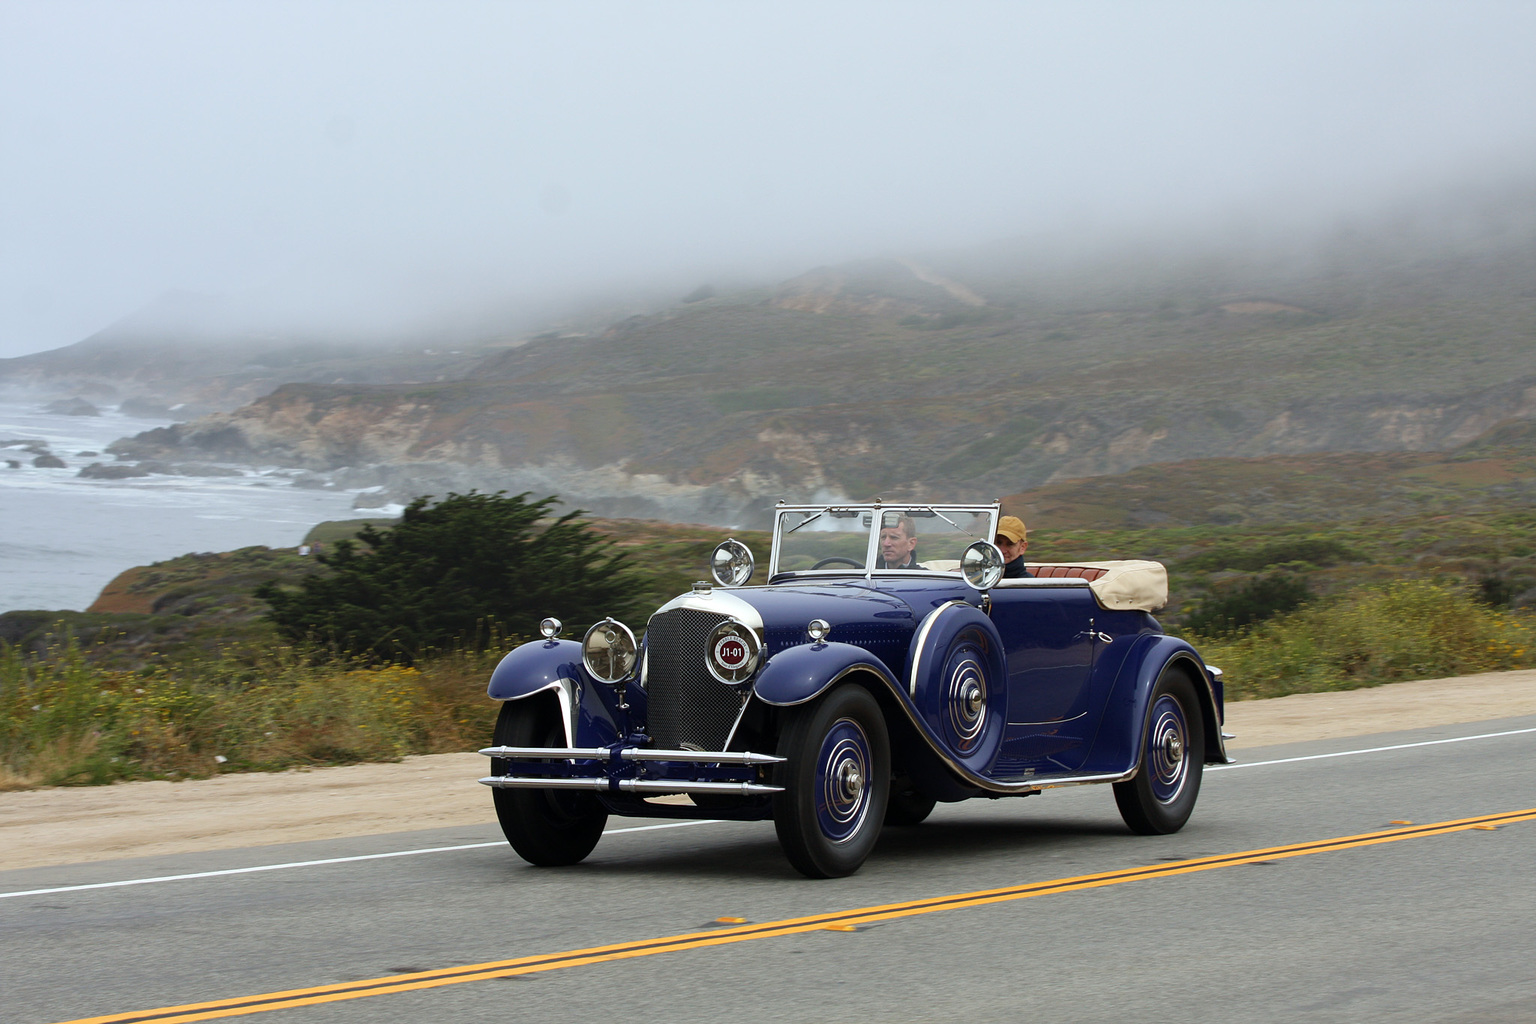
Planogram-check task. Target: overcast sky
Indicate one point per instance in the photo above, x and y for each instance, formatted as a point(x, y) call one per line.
point(363, 162)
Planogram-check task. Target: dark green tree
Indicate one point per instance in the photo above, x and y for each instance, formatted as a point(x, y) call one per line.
point(1255, 600)
point(452, 573)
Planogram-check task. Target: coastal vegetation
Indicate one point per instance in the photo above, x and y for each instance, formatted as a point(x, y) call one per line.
point(1323, 572)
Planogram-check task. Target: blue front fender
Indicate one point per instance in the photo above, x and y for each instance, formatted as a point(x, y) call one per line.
point(535, 667)
point(588, 710)
point(802, 673)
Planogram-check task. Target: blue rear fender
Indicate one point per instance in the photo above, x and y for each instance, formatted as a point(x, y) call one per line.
point(1118, 745)
point(588, 709)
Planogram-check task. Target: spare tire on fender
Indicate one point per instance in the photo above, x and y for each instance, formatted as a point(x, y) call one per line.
point(957, 677)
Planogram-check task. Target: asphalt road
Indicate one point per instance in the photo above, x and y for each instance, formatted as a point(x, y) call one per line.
point(1439, 926)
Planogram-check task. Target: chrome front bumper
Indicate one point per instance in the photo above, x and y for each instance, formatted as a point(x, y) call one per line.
point(639, 770)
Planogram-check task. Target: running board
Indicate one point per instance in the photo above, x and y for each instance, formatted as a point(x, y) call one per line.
point(631, 754)
point(1035, 783)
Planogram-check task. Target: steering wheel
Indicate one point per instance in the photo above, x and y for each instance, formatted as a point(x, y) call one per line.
point(838, 560)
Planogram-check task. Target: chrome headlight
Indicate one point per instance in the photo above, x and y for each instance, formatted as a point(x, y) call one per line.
point(733, 652)
point(982, 565)
point(608, 651)
point(731, 563)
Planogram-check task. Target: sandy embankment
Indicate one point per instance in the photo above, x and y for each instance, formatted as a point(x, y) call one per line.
point(137, 819)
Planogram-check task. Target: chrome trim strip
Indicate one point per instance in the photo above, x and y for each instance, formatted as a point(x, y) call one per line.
point(566, 694)
point(920, 640)
point(1055, 721)
point(633, 754)
point(1042, 581)
point(650, 786)
point(737, 724)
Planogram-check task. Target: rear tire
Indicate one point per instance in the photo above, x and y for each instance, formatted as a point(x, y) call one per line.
point(547, 827)
point(1160, 799)
point(836, 779)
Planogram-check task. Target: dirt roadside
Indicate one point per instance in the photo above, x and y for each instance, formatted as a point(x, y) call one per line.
point(139, 819)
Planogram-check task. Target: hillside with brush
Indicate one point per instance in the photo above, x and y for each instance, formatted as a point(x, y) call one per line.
point(983, 377)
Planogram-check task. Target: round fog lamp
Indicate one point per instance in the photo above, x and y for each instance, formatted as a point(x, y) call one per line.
point(608, 651)
point(550, 628)
point(817, 629)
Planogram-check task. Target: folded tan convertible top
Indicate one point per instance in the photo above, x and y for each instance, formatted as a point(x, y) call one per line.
point(1130, 584)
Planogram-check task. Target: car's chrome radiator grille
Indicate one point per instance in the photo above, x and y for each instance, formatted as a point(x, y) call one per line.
point(689, 708)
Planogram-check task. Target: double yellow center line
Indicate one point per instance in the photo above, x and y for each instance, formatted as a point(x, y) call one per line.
point(843, 920)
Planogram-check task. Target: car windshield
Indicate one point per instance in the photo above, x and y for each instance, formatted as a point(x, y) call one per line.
point(895, 537)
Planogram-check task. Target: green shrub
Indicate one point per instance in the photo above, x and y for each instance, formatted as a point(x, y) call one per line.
point(1409, 629)
point(449, 574)
point(1253, 601)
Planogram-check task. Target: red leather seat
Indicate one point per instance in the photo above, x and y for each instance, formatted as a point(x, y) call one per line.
point(1081, 571)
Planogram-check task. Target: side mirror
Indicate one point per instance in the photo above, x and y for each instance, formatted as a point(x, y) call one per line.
point(731, 563)
point(982, 565)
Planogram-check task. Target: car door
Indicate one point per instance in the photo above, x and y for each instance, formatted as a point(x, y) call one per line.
point(1050, 648)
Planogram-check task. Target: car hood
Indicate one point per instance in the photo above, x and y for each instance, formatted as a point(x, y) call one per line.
point(870, 614)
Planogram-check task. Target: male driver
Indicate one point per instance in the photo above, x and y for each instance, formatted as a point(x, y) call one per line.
point(898, 544)
point(1011, 541)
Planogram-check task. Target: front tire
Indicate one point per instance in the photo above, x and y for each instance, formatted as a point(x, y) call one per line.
point(547, 827)
point(836, 780)
point(1160, 799)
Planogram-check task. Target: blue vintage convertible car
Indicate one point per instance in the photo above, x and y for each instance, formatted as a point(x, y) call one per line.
point(841, 697)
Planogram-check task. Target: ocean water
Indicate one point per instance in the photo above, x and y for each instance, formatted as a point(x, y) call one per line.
point(63, 538)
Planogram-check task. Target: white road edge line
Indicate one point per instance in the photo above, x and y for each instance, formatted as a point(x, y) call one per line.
point(318, 863)
point(667, 824)
point(1367, 750)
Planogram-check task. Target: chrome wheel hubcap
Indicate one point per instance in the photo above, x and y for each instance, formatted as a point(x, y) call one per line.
point(842, 780)
point(1167, 747)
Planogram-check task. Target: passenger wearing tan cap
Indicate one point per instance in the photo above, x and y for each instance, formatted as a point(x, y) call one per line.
point(1011, 540)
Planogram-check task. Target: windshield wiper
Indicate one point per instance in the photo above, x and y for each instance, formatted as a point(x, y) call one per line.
point(951, 522)
point(813, 518)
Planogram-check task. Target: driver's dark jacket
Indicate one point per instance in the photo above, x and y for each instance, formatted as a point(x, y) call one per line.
point(906, 565)
point(1015, 570)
